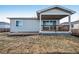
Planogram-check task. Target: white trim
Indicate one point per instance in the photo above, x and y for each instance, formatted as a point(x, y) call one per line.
point(69, 23)
point(54, 14)
point(40, 23)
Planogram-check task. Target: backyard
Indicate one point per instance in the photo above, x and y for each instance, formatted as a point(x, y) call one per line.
point(38, 44)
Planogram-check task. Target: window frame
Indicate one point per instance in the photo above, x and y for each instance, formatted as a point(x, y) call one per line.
point(19, 23)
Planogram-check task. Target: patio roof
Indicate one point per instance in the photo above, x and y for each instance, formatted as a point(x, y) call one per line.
point(55, 15)
point(56, 6)
point(52, 17)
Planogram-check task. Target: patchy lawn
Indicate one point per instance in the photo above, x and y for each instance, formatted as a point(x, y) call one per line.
point(39, 44)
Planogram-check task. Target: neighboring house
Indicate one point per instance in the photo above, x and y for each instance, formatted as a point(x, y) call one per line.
point(4, 27)
point(47, 21)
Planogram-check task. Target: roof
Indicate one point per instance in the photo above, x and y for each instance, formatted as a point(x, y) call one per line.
point(4, 23)
point(21, 18)
point(56, 6)
point(76, 22)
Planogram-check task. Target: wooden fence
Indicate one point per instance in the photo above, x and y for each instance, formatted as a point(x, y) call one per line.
point(75, 32)
point(4, 29)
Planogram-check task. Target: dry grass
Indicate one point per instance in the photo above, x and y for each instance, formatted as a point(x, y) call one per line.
point(38, 44)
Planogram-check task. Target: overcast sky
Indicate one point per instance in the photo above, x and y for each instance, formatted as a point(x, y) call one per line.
point(30, 11)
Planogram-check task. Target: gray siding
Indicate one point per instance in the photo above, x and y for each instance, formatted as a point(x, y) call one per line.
point(28, 26)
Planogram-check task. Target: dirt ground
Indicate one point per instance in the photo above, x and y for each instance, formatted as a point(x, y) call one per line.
point(38, 44)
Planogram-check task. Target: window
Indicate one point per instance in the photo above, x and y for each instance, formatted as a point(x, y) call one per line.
point(72, 25)
point(19, 23)
point(45, 22)
point(54, 22)
point(49, 22)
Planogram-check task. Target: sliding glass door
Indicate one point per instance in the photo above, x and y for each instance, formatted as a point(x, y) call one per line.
point(49, 25)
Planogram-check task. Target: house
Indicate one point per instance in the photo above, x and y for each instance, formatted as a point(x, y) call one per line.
point(4, 26)
point(47, 21)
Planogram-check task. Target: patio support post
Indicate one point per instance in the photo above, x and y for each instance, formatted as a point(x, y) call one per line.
point(69, 23)
point(40, 23)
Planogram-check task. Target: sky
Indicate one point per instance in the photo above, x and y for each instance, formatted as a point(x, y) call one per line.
point(30, 11)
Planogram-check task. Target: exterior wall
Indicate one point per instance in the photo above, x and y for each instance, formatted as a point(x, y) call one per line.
point(28, 26)
point(56, 12)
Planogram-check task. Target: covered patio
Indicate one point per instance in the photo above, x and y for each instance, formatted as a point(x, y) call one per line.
point(50, 20)
point(52, 23)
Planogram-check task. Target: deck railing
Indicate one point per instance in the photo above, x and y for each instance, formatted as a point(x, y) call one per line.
point(55, 27)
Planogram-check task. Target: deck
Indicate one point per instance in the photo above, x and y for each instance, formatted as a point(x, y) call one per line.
point(37, 33)
point(22, 34)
